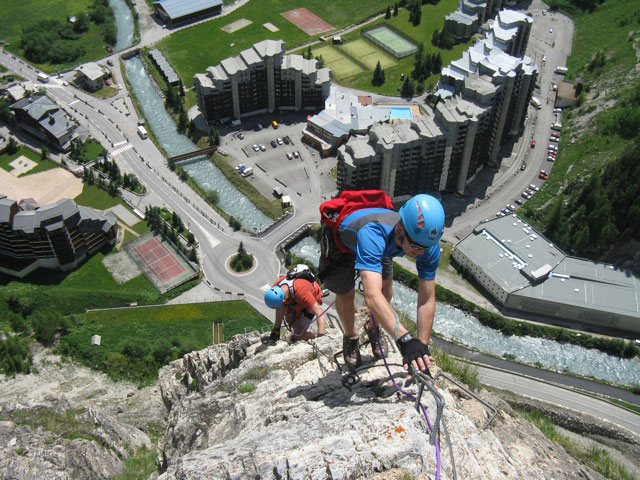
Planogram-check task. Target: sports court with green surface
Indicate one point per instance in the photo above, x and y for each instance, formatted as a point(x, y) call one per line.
point(353, 58)
point(391, 41)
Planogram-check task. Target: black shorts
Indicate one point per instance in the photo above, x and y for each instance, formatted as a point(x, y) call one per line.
point(337, 268)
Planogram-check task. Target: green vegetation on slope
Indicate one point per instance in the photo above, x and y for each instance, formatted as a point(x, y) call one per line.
point(590, 205)
point(595, 458)
point(42, 165)
point(136, 342)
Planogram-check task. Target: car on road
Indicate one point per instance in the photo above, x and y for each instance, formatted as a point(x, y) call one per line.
point(279, 141)
point(544, 58)
point(551, 30)
point(274, 144)
point(523, 166)
point(296, 154)
point(263, 148)
point(110, 63)
point(289, 156)
point(533, 144)
point(119, 87)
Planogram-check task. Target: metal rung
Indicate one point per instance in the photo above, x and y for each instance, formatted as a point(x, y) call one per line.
point(428, 382)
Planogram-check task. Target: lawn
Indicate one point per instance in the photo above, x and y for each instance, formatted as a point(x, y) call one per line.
point(136, 342)
point(14, 15)
point(94, 149)
point(432, 19)
point(97, 198)
point(42, 165)
point(192, 50)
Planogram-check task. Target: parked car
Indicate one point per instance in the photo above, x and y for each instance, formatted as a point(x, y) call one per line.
point(240, 136)
point(525, 195)
point(240, 166)
point(543, 175)
point(110, 63)
point(255, 147)
point(554, 139)
point(511, 207)
point(523, 166)
point(518, 201)
point(263, 148)
point(274, 144)
point(506, 211)
point(279, 141)
point(499, 214)
point(533, 144)
point(551, 159)
point(286, 139)
point(296, 154)
point(534, 188)
point(289, 156)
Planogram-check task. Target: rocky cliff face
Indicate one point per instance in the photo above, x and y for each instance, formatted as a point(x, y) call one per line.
point(52, 439)
point(246, 411)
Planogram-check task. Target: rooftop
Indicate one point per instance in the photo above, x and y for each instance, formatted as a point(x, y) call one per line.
point(180, 8)
point(91, 70)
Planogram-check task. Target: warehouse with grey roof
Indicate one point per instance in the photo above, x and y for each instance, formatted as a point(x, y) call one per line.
point(524, 271)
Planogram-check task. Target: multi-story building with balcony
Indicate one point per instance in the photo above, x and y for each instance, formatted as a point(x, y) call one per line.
point(261, 79)
point(57, 236)
point(42, 117)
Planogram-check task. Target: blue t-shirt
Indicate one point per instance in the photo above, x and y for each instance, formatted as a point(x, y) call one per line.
point(376, 241)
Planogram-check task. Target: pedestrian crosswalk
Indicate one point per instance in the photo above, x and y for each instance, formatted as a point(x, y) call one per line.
point(124, 148)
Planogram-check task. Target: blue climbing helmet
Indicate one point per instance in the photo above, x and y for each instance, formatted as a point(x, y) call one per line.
point(423, 219)
point(274, 297)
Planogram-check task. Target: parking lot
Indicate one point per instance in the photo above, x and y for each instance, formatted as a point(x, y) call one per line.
point(303, 173)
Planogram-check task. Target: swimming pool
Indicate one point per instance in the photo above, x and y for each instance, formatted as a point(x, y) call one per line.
point(400, 112)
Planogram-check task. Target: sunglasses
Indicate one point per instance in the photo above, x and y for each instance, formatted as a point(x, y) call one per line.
point(414, 245)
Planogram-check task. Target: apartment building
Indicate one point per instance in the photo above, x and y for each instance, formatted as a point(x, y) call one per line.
point(57, 236)
point(261, 79)
point(42, 117)
point(441, 150)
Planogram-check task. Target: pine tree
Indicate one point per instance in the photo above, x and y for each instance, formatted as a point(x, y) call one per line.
point(418, 66)
point(408, 88)
point(378, 76)
point(416, 13)
point(395, 10)
point(387, 14)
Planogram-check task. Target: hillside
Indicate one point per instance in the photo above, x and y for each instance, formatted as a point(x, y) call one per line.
point(590, 205)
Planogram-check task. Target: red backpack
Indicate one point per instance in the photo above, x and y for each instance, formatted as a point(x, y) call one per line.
point(333, 212)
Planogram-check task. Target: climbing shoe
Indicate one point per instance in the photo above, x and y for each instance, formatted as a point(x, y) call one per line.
point(273, 337)
point(373, 334)
point(351, 352)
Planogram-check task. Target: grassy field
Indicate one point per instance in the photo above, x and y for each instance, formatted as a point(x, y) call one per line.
point(15, 15)
point(42, 165)
point(94, 149)
point(97, 198)
point(136, 342)
point(213, 44)
point(89, 286)
point(432, 19)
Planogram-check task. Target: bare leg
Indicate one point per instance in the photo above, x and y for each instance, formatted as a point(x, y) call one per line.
point(346, 312)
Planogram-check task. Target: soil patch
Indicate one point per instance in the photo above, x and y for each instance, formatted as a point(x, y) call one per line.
point(307, 21)
point(44, 187)
point(121, 267)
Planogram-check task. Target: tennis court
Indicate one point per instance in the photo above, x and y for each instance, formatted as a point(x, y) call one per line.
point(160, 262)
point(341, 67)
point(368, 54)
point(391, 41)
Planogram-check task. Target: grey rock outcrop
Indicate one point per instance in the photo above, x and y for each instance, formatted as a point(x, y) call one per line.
point(246, 411)
point(53, 439)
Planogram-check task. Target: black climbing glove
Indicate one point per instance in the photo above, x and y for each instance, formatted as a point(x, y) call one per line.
point(274, 336)
point(411, 348)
